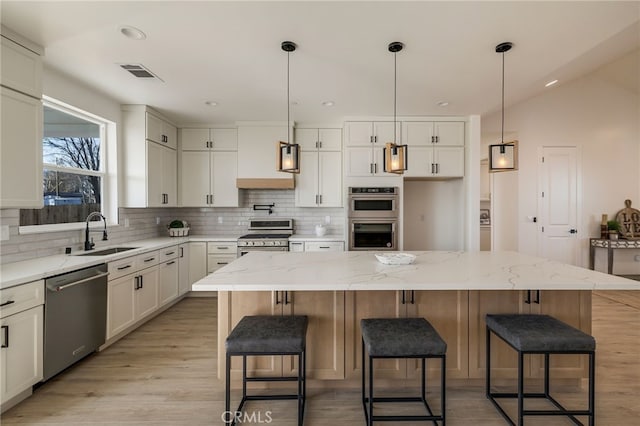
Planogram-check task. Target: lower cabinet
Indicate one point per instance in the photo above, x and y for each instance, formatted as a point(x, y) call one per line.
point(184, 283)
point(168, 275)
point(572, 307)
point(220, 253)
point(298, 246)
point(325, 334)
point(197, 261)
point(20, 352)
point(447, 311)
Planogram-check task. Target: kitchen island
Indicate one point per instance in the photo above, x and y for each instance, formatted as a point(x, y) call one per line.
point(453, 290)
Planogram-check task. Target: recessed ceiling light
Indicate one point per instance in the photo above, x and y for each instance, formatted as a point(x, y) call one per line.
point(551, 83)
point(328, 103)
point(132, 32)
point(211, 103)
point(443, 103)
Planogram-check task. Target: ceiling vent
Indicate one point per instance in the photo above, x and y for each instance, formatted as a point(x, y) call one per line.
point(139, 71)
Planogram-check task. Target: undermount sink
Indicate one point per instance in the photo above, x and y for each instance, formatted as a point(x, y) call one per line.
point(107, 251)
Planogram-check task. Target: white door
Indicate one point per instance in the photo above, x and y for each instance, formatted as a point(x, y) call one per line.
point(168, 281)
point(330, 139)
point(558, 204)
point(420, 160)
point(155, 161)
point(184, 285)
point(449, 133)
point(359, 161)
point(170, 177)
point(358, 133)
point(224, 171)
point(194, 178)
point(307, 180)
point(330, 179)
point(449, 160)
point(194, 139)
point(306, 138)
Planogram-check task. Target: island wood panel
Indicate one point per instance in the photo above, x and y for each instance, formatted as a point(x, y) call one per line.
point(572, 307)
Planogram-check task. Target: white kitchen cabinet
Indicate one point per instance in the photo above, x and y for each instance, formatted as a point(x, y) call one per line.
point(146, 295)
point(168, 276)
point(208, 139)
point(436, 149)
point(21, 130)
point(184, 285)
point(220, 253)
point(120, 304)
point(257, 157)
point(21, 338)
point(208, 179)
point(324, 246)
point(364, 142)
point(197, 261)
point(319, 183)
point(149, 166)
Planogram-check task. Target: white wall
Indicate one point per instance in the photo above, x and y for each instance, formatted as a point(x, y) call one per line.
point(600, 113)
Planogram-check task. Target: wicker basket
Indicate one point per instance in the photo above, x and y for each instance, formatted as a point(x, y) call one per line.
point(178, 232)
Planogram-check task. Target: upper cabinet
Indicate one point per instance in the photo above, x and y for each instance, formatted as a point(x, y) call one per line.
point(257, 144)
point(21, 130)
point(149, 159)
point(436, 149)
point(208, 168)
point(364, 142)
point(319, 183)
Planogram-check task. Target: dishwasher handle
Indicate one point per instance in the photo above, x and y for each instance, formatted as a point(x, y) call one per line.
point(62, 287)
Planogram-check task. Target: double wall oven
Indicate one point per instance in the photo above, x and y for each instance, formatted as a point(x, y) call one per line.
point(373, 218)
point(266, 235)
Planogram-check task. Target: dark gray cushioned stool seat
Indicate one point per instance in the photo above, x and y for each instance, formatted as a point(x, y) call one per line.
point(265, 333)
point(401, 337)
point(539, 333)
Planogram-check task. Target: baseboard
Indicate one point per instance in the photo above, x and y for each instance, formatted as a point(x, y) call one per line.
point(202, 294)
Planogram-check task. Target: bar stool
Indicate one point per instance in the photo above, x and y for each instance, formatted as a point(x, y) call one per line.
point(402, 338)
point(539, 334)
point(265, 335)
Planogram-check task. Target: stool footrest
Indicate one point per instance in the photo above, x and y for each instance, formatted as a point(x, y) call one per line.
point(271, 379)
point(269, 397)
point(395, 399)
point(406, 418)
point(561, 411)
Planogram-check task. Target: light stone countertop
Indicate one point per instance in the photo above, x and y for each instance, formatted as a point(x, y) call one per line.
point(432, 270)
point(312, 237)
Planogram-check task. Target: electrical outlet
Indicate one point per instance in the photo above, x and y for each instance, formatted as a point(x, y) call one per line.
point(220, 219)
point(157, 221)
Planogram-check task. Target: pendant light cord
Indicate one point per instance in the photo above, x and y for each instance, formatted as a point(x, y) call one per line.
point(395, 93)
point(289, 103)
point(502, 134)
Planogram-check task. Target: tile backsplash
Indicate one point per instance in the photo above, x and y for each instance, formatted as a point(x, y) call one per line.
point(142, 224)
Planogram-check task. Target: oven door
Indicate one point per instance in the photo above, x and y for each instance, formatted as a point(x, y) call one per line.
point(244, 250)
point(373, 234)
point(373, 206)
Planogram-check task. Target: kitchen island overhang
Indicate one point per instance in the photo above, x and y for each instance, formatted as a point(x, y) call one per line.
point(432, 270)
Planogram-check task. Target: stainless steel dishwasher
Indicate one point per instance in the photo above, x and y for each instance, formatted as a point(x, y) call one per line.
point(75, 317)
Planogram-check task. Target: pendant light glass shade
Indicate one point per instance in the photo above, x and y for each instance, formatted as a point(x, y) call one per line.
point(395, 155)
point(503, 157)
point(288, 154)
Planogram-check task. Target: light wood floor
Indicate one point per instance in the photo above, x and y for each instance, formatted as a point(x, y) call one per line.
point(164, 373)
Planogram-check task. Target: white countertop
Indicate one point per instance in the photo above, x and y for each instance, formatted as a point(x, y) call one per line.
point(432, 270)
point(312, 237)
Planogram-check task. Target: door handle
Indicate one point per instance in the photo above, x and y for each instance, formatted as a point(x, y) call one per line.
point(5, 336)
point(537, 300)
point(62, 287)
point(413, 300)
point(277, 298)
point(181, 251)
point(528, 299)
point(573, 231)
point(286, 297)
point(404, 301)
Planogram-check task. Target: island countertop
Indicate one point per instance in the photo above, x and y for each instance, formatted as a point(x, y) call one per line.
point(432, 270)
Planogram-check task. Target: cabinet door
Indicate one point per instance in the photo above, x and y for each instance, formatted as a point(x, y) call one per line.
point(224, 139)
point(358, 133)
point(330, 178)
point(330, 139)
point(306, 191)
point(215, 262)
point(168, 282)
point(297, 246)
point(146, 297)
point(359, 161)
point(194, 179)
point(371, 304)
point(449, 133)
point(448, 312)
point(194, 140)
point(504, 360)
point(307, 139)
point(450, 161)
point(21, 69)
point(573, 308)
point(120, 304)
point(170, 134)
point(154, 128)
point(417, 133)
point(420, 161)
point(155, 162)
point(184, 285)
point(21, 354)
point(324, 246)
point(325, 333)
point(20, 151)
point(197, 261)
point(170, 177)
point(224, 170)
point(383, 133)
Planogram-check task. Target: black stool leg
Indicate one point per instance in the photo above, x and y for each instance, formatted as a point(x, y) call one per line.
point(488, 362)
point(443, 387)
point(546, 375)
point(370, 391)
point(227, 389)
point(300, 373)
point(244, 377)
point(520, 388)
point(592, 388)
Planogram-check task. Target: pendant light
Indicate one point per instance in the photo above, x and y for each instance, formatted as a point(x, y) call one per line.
point(503, 157)
point(288, 156)
point(395, 155)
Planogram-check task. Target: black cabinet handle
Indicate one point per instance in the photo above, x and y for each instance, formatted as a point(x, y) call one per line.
point(277, 298)
point(403, 298)
point(149, 259)
point(169, 253)
point(537, 301)
point(286, 297)
point(8, 302)
point(413, 300)
point(136, 282)
point(5, 332)
point(122, 268)
point(181, 251)
point(170, 263)
point(528, 299)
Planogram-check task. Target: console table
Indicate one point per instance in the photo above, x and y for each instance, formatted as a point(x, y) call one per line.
point(611, 246)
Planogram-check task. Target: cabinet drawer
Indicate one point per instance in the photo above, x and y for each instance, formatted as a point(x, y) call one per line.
point(215, 262)
point(222, 248)
point(21, 297)
point(168, 253)
point(120, 268)
point(147, 260)
point(324, 246)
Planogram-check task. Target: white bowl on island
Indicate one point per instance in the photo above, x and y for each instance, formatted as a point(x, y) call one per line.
point(395, 258)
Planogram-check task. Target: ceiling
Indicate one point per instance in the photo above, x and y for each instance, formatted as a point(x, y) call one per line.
point(229, 52)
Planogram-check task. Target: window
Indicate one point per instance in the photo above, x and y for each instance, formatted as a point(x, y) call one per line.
point(74, 172)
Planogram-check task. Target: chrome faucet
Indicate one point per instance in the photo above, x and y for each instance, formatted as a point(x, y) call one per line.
point(88, 245)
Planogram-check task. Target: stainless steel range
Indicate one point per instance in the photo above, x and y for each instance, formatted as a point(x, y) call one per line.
point(266, 235)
